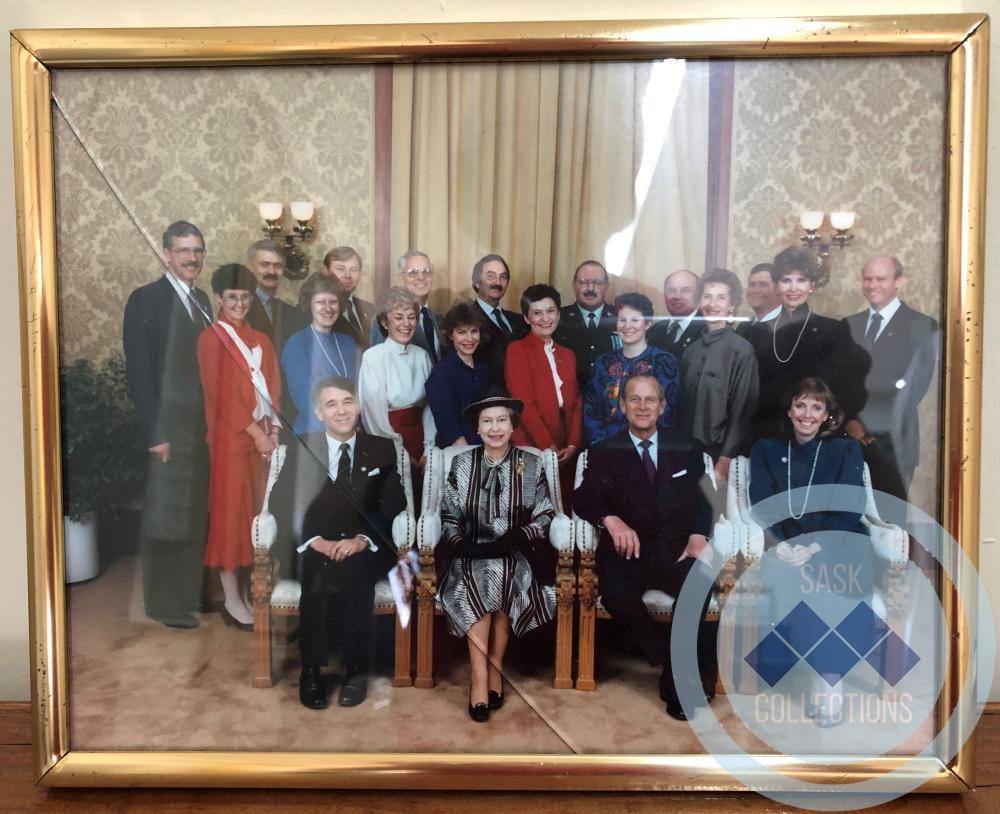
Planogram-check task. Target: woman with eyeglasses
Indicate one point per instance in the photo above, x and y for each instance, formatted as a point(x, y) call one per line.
point(242, 386)
point(318, 351)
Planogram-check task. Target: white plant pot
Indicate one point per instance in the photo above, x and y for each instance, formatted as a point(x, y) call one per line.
point(82, 562)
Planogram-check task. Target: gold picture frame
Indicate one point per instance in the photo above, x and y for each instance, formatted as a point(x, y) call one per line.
point(963, 38)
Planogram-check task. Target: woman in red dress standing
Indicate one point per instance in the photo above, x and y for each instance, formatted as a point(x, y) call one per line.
point(542, 374)
point(239, 374)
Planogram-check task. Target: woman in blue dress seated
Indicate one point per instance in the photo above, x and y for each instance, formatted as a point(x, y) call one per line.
point(317, 351)
point(822, 552)
point(494, 561)
point(461, 377)
point(602, 415)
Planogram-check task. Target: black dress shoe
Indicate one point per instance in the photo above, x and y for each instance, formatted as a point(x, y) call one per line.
point(232, 621)
point(312, 693)
point(354, 691)
point(480, 713)
point(178, 621)
point(496, 699)
point(675, 710)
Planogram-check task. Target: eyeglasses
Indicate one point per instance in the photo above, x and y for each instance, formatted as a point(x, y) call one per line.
point(237, 299)
point(411, 273)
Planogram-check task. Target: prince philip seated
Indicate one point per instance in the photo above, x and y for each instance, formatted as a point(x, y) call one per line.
point(643, 489)
point(338, 494)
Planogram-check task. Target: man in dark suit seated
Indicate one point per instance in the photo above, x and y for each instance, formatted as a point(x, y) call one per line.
point(588, 326)
point(268, 313)
point(903, 344)
point(490, 278)
point(344, 263)
point(643, 489)
point(681, 293)
point(337, 496)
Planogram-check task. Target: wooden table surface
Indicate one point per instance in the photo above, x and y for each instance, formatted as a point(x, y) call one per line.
point(18, 793)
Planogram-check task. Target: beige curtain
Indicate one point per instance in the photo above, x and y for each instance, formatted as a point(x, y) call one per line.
point(541, 162)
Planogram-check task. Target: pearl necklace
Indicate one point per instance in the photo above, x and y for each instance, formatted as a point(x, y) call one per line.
point(342, 370)
point(791, 512)
point(774, 335)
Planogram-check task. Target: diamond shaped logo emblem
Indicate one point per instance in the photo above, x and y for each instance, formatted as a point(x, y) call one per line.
point(802, 628)
point(771, 659)
point(862, 628)
point(832, 658)
point(893, 659)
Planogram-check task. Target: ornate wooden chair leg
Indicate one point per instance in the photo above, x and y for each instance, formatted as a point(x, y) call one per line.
point(565, 597)
point(260, 593)
point(588, 621)
point(426, 591)
point(402, 677)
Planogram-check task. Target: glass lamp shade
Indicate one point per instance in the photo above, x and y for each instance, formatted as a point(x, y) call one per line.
point(270, 210)
point(302, 210)
point(811, 221)
point(842, 220)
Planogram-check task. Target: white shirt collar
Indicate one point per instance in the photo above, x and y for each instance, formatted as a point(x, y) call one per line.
point(183, 290)
point(486, 306)
point(636, 440)
point(333, 451)
point(771, 315)
point(683, 322)
point(262, 295)
point(887, 312)
point(597, 312)
point(402, 350)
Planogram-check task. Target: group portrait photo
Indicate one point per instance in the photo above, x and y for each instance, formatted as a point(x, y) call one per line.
point(400, 402)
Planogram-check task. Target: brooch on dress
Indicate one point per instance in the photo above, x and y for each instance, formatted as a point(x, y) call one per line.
point(520, 467)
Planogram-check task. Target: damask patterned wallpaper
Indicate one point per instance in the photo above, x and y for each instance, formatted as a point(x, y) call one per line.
point(865, 135)
point(203, 146)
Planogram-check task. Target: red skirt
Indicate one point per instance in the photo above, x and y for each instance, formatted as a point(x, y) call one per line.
point(409, 423)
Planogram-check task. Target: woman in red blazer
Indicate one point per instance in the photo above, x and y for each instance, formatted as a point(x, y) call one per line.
point(553, 410)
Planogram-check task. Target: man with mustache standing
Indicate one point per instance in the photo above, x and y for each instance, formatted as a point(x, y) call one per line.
point(269, 314)
point(587, 327)
point(416, 275)
point(490, 279)
point(162, 323)
point(681, 292)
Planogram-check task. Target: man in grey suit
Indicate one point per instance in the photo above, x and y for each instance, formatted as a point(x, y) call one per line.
point(416, 274)
point(903, 344)
point(163, 320)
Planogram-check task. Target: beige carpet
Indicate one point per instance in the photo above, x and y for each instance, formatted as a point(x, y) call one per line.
point(138, 685)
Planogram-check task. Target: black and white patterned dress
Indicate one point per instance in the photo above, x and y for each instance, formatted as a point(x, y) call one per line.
point(480, 504)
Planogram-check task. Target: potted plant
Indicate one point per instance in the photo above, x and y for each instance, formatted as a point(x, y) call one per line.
point(103, 469)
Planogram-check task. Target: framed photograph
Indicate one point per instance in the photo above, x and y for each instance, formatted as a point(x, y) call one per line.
point(213, 222)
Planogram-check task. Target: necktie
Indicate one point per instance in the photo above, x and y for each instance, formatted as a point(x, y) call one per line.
point(591, 322)
point(498, 316)
point(352, 317)
point(647, 461)
point(344, 466)
point(872, 334)
point(428, 326)
point(673, 330)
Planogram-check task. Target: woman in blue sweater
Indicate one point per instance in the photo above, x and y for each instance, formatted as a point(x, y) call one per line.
point(460, 377)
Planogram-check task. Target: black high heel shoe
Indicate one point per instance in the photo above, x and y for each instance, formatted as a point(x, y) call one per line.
point(232, 621)
point(480, 713)
point(496, 699)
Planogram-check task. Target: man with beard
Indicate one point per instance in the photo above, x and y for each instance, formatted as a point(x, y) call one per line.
point(681, 292)
point(416, 275)
point(587, 327)
point(162, 323)
point(490, 279)
point(269, 314)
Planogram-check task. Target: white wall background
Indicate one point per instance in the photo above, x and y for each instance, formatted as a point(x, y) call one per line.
point(14, 657)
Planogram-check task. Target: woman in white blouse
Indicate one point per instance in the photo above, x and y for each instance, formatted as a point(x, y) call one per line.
point(392, 378)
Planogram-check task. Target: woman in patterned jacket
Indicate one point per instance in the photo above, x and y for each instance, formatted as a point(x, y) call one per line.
point(495, 518)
